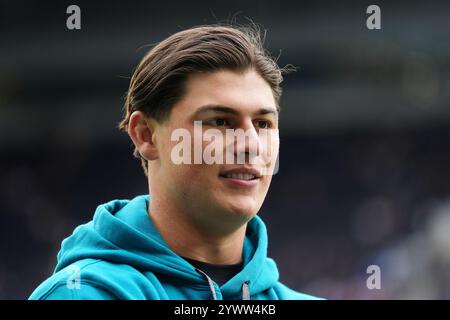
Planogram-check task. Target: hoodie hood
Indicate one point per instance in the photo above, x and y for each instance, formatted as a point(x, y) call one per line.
point(122, 232)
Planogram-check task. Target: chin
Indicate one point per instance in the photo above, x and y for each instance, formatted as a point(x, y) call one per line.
point(245, 208)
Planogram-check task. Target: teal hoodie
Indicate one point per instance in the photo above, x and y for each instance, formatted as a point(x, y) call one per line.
point(121, 255)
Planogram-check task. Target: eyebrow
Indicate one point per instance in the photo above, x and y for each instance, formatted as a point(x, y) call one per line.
point(229, 110)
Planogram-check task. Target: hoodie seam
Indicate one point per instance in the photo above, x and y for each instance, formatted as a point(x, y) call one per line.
point(84, 266)
point(88, 264)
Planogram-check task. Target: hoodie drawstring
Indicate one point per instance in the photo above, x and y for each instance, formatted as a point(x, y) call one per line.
point(246, 291)
point(245, 287)
point(210, 282)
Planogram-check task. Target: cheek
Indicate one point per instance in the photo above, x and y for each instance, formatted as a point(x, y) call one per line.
point(266, 183)
point(193, 176)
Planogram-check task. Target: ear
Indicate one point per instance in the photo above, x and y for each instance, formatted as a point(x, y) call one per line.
point(142, 131)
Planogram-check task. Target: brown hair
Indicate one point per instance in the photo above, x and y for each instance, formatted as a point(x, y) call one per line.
point(158, 81)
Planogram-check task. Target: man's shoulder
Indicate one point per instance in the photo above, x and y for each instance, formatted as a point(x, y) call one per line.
point(93, 279)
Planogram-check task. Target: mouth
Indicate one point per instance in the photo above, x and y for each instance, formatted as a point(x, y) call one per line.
point(242, 176)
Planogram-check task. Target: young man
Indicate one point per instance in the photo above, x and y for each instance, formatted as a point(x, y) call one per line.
point(196, 235)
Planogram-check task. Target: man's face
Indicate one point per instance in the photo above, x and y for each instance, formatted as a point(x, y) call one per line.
point(221, 100)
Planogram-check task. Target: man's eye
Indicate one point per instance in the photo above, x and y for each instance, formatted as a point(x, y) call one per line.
point(263, 124)
point(219, 122)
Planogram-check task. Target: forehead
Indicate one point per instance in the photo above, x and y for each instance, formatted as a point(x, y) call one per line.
point(244, 91)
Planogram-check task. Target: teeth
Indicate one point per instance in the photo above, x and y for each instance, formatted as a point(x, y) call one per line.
point(240, 176)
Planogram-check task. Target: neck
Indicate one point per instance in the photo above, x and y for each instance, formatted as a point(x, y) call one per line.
point(194, 238)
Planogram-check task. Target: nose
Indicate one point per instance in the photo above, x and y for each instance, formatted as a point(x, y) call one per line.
point(247, 143)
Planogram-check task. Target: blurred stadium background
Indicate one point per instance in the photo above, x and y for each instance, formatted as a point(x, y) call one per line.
point(364, 167)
